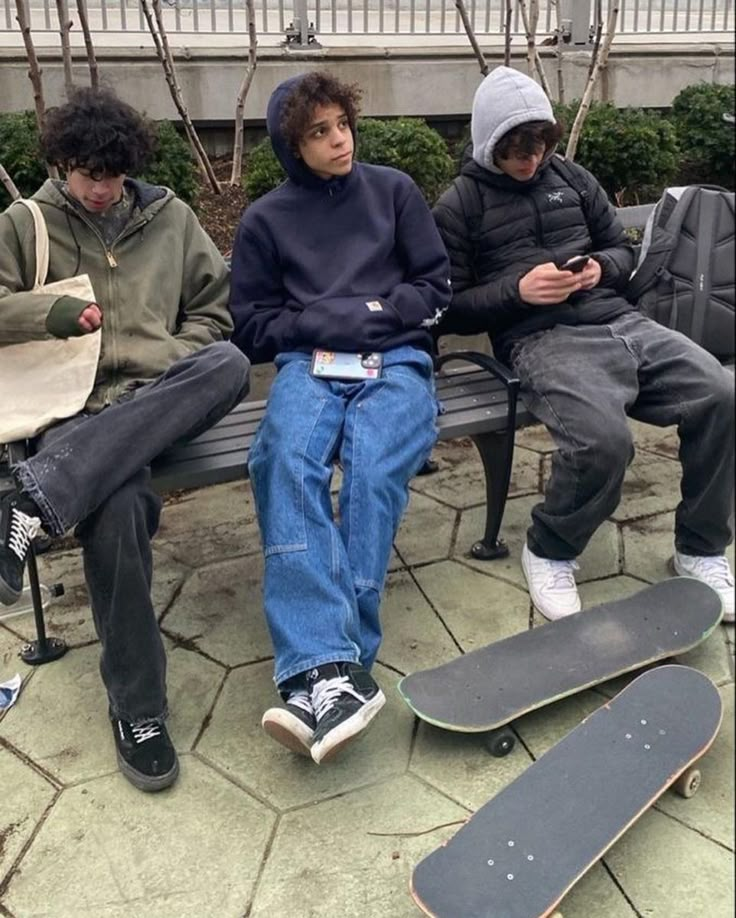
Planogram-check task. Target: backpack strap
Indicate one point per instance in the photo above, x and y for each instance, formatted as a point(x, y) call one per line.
point(661, 245)
point(565, 170)
point(471, 203)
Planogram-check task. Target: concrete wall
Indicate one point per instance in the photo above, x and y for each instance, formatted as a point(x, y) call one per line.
point(429, 82)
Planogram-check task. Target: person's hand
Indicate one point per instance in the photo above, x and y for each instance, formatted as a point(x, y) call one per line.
point(590, 275)
point(546, 285)
point(90, 319)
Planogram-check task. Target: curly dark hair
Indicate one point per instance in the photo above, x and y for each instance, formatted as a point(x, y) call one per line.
point(96, 130)
point(527, 138)
point(316, 88)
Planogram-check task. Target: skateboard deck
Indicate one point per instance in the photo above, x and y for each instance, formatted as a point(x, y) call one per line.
point(523, 850)
point(491, 686)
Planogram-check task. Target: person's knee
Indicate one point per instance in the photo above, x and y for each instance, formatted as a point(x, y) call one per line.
point(231, 366)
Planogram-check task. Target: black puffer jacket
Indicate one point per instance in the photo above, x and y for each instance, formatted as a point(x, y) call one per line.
point(506, 228)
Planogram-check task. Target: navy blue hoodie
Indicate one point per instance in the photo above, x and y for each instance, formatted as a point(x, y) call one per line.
point(313, 257)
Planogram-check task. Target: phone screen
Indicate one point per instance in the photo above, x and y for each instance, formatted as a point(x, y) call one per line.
point(575, 264)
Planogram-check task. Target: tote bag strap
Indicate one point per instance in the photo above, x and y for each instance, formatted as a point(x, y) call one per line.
point(42, 241)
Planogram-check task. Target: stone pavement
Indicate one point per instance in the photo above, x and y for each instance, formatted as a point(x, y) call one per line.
point(252, 831)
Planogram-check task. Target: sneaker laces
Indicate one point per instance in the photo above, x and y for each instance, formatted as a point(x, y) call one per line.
point(23, 529)
point(300, 700)
point(715, 571)
point(559, 576)
point(326, 693)
point(148, 729)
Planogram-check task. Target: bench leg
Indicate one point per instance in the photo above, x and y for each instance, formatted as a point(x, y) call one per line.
point(43, 649)
point(497, 453)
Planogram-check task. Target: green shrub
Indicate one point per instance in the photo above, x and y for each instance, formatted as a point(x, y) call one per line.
point(173, 164)
point(411, 145)
point(633, 153)
point(263, 171)
point(408, 144)
point(706, 140)
point(19, 153)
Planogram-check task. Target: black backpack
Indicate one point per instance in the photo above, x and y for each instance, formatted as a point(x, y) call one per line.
point(685, 276)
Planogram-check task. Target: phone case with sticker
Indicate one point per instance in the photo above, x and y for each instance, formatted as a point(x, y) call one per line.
point(342, 365)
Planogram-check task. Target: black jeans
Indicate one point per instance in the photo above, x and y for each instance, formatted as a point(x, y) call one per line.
point(582, 382)
point(93, 471)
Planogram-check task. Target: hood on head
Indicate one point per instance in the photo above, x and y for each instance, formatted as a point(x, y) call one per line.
point(504, 100)
point(294, 166)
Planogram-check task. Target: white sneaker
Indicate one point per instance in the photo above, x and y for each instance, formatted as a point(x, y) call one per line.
point(551, 584)
point(715, 571)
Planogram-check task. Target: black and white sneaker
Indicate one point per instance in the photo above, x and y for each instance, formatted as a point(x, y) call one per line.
point(18, 528)
point(145, 754)
point(345, 699)
point(292, 725)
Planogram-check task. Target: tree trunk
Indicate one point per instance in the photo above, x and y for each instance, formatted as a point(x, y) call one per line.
point(94, 80)
point(158, 33)
point(559, 53)
point(9, 184)
point(250, 70)
point(533, 60)
point(601, 62)
point(34, 73)
point(65, 26)
point(462, 10)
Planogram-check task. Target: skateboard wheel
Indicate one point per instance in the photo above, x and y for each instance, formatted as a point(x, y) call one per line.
point(688, 783)
point(500, 742)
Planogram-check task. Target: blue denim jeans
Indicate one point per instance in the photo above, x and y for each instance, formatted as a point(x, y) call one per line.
point(92, 471)
point(323, 577)
point(582, 382)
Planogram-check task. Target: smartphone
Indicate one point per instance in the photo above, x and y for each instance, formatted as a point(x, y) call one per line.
point(575, 264)
point(339, 365)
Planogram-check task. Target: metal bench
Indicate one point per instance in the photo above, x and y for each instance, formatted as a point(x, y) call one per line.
point(479, 401)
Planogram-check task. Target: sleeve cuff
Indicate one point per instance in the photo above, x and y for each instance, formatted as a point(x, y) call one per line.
point(62, 319)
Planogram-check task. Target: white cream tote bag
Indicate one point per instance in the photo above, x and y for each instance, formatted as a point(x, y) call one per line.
point(51, 379)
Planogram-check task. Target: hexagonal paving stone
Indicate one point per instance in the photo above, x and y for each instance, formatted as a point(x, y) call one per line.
point(414, 637)
point(69, 616)
point(460, 480)
point(477, 609)
point(9, 661)
point(661, 440)
point(209, 524)
point(220, 611)
point(711, 811)
point(669, 871)
point(600, 558)
point(326, 859)
point(426, 531)
point(536, 438)
point(25, 797)
point(546, 726)
point(235, 742)
point(61, 720)
point(110, 851)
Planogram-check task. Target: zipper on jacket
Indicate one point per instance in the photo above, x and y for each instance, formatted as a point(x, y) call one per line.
point(110, 258)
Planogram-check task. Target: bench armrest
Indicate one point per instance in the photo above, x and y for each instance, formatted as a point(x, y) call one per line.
point(496, 369)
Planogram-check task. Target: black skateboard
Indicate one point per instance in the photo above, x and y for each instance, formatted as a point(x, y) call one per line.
point(524, 849)
point(486, 689)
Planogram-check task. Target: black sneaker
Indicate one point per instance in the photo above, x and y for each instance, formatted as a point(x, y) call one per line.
point(18, 527)
point(293, 725)
point(345, 699)
point(145, 754)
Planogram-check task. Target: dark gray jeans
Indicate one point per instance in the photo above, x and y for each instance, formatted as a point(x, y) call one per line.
point(582, 382)
point(92, 472)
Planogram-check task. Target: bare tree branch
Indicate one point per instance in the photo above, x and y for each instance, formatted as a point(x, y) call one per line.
point(534, 61)
point(65, 26)
point(597, 36)
point(34, 73)
point(462, 10)
point(601, 62)
point(507, 36)
point(250, 70)
point(158, 33)
point(9, 184)
point(559, 53)
point(94, 79)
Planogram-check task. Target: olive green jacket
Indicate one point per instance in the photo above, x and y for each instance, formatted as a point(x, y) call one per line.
point(162, 285)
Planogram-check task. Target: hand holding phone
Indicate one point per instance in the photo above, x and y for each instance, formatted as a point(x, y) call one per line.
point(575, 264)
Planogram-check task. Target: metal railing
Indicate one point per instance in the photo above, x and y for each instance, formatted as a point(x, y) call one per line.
point(374, 17)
